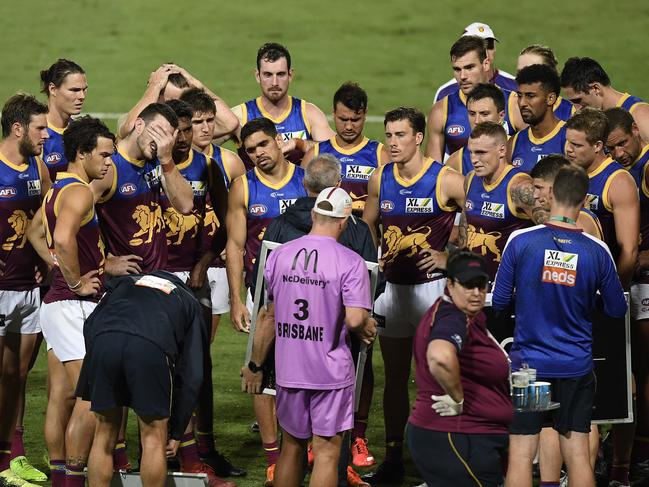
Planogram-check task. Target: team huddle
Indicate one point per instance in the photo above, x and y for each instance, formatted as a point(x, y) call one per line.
point(134, 244)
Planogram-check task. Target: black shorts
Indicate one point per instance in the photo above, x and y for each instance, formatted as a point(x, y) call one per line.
point(457, 459)
point(576, 396)
point(125, 370)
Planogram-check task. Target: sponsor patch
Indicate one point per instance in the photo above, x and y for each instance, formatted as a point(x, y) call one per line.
point(299, 134)
point(285, 204)
point(199, 187)
point(34, 187)
point(560, 268)
point(419, 205)
point(493, 210)
point(355, 171)
point(592, 202)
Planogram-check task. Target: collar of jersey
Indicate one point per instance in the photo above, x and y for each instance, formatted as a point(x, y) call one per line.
point(12, 165)
point(279, 119)
point(135, 162)
point(427, 163)
point(640, 156)
point(65, 175)
point(351, 150)
point(188, 161)
point(462, 97)
point(58, 130)
point(607, 162)
point(622, 99)
point(543, 140)
point(492, 186)
point(280, 184)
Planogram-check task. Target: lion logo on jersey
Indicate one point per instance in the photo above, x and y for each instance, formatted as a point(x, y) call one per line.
point(358, 202)
point(398, 242)
point(486, 241)
point(149, 222)
point(179, 225)
point(18, 221)
point(211, 222)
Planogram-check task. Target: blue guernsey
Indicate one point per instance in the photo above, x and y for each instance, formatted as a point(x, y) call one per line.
point(557, 273)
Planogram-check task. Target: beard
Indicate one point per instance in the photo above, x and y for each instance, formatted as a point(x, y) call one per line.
point(27, 149)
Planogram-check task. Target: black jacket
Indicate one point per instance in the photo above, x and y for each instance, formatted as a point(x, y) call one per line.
point(296, 222)
point(173, 322)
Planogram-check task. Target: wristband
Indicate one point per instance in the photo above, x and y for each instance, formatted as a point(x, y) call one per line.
point(76, 286)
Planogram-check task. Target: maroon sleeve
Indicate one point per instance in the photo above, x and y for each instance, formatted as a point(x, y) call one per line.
point(450, 324)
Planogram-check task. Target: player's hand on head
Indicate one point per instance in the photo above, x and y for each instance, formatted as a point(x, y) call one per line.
point(90, 284)
point(160, 76)
point(240, 317)
point(446, 406)
point(431, 260)
point(164, 142)
point(123, 265)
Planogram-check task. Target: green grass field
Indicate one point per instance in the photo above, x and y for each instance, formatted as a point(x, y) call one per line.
point(398, 51)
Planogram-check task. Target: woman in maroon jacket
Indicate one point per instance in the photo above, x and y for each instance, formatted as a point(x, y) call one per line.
point(458, 427)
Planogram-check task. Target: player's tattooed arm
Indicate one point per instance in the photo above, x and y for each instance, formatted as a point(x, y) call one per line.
point(463, 232)
point(522, 195)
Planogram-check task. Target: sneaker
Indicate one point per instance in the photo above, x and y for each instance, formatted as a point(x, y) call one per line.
point(254, 427)
point(361, 456)
point(354, 480)
point(270, 476)
point(222, 465)
point(563, 481)
point(309, 455)
point(25, 470)
point(9, 478)
point(212, 479)
point(387, 473)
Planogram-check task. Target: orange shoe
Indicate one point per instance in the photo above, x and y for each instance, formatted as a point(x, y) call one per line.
point(309, 454)
point(354, 480)
point(361, 456)
point(212, 479)
point(270, 476)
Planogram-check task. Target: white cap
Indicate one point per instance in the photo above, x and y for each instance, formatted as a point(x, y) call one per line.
point(340, 201)
point(480, 30)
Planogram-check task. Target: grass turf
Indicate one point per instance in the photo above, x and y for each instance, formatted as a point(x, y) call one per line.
point(398, 51)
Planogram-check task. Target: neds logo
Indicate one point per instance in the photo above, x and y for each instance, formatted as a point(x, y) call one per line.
point(8, 192)
point(258, 209)
point(127, 189)
point(560, 268)
point(455, 130)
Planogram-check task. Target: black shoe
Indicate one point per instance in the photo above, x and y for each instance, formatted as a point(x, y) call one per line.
point(388, 473)
point(222, 465)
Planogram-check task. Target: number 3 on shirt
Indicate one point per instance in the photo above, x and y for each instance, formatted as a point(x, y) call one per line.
point(303, 309)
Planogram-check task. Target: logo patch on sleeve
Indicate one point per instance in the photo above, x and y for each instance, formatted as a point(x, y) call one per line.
point(560, 268)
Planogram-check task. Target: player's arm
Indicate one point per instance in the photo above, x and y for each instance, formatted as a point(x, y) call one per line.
point(359, 321)
point(225, 121)
point(157, 82)
point(236, 222)
point(236, 133)
point(521, 192)
point(176, 187)
point(435, 129)
point(320, 129)
point(610, 288)
point(515, 116)
point(589, 225)
point(233, 163)
point(263, 339)
point(371, 212)
point(46, 182)
point(101, 187)
point(510, 148)
point(641, 118)
point(463, 226)
point(36, 236)
point(74, 205)
point(308, 156)
point(455, 161)
point(624, 200)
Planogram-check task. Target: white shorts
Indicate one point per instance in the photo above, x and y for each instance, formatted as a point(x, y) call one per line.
point(62, 323)
point(202, 294)
point(640, 301)
point(219, 290)
point(403, 306)
point(19, 312)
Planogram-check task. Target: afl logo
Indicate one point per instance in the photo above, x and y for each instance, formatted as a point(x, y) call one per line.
point(468, 205)
point(387, 206)
point(8, 192)
point(127, 189)
point(518, 162)
point(258, 209)
point(645, 302)
point(53, 158)
point(455, 130)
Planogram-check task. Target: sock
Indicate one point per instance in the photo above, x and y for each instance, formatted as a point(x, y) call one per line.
point(188, 452)
point(17, 446)
point(272, 452)
point(205, 442)
point(393, 450)
point(620, 472)
point(549, 484)
point(120, 458)
point(5, 455)
point(74, 476)
point(57, 473)
point(360, 425)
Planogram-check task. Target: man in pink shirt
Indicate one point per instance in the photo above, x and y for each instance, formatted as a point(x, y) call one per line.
point(316, 292)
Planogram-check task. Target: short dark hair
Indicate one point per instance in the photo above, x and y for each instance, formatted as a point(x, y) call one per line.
point(57, 73)
point(181, 109)
point(261, 124)
point(178, 80)
point(570, 186)
point(489, 129)
point(467, 44)
point(548, 167)
point(200, 101)
point(352, 96)
point(579, 72)
point(19, 109)
point(545, 52)
point(155, 109)
point(619, 118)
point(272, 51)
point(414, 117)
point(540, 73)
point(82, 134)
point(592, 122)
point(487, 90)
